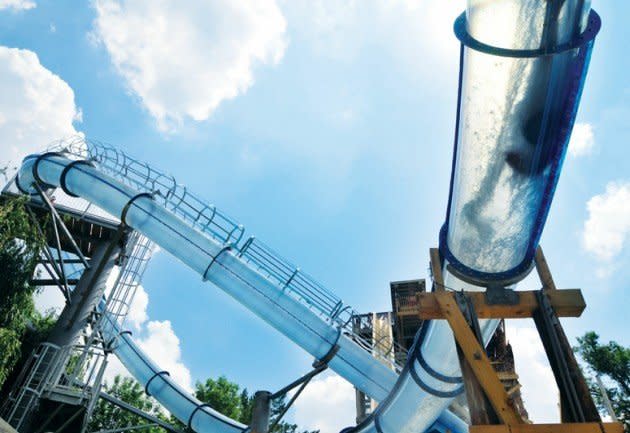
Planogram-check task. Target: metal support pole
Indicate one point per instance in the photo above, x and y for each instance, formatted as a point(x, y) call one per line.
point(65, 230)
point(261, 412)
point(607, 404)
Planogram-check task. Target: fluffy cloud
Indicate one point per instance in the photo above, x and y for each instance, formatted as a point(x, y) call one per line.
point(137, 315)
point(36, 106)
point(342, 29)
point(184, 58)
point(327, 404)
point(582, 140)
point(17, 5)
point(157, 339)
point(539, 391)
point(162, 346)
point(607, 228)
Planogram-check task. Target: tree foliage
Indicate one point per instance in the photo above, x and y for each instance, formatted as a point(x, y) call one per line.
point(228, 398)
point(108, 417)
point(223, 395)
point(612, 362)
point(20, 244)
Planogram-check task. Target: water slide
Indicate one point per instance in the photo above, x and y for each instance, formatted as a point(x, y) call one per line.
point(511, 136)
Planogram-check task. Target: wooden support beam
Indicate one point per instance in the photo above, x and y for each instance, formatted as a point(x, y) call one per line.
point(573, 388)
point(544, 273)
point(593, 427)
point(477, 359)
point(436, 269)
point(507, 375)
point(566, 303)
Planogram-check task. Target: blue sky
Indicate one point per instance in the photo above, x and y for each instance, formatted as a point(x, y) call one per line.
point(326, 129)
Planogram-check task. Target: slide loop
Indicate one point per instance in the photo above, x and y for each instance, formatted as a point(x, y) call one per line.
point(214, 259)
point(38, 179)
point(64, 173)
point(123, 214)
point(192, 415)
point(159, 373)
point(592, 28)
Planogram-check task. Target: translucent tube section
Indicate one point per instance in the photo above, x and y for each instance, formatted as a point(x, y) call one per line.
point(521, 73)
point(221, 264)
point(512, 129)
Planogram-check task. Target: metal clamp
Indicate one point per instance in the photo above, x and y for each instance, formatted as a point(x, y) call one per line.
point(377, 424)
point(594, 24)
point(159, 373)
point(214, 259)
point(416, 351)
point(192, 415)
point(324, 360)
point(431, 390)
point(123, 214)
point(38, 179)
point(112, 346)
point(64, 173)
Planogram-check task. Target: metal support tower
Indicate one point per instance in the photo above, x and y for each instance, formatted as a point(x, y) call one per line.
point(492, 406)
point(61, 382)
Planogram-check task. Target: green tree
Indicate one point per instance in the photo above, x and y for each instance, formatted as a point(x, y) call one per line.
point(108, 417)
point(612, 362)
point(228, 398)
point(20, 244)
point(224, 396)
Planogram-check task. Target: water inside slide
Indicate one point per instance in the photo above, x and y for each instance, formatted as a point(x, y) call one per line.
point(522, 69)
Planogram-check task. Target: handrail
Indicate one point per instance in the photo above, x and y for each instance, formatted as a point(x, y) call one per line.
point(214, 223)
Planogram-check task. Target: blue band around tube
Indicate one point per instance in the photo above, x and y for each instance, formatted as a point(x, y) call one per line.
point(194, 412)
point(377, 424)
point(38, 179)
point(436, 392)
point(123, 214)
point(64, 173)
point(592, 28)
point(214, 259)
point(479, 278)
point(159, 373)
point(417, 354)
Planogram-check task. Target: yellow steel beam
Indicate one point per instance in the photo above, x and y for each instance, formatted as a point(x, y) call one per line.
point(566, 303)
point(476, 357)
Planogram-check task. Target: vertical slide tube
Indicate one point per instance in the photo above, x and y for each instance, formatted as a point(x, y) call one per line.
point(522, 69)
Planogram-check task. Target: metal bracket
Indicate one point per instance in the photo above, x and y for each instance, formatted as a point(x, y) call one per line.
point(64, 173)
point(159, 373)
point(113, 344)
point(499, 295)
point(194, 412)
point(123, 214)
point(36, 168)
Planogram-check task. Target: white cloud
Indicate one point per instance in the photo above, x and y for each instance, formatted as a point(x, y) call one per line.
point(342, 29)
point(17, 5)
point(539, 390)
point(162, 345)
point(156, 338)
point(36, 106)
point(184, 58)
point(327, 404)
point(137, 315)
point(607, 228)
point(582, 140)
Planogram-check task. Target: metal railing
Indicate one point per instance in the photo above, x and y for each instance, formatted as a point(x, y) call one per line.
point(140, 175)
point(214, 223)
point(30, 384)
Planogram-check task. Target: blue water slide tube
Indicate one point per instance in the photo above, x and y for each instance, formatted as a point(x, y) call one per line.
point(511, 138)
point(208, 242)
point(522, 68)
